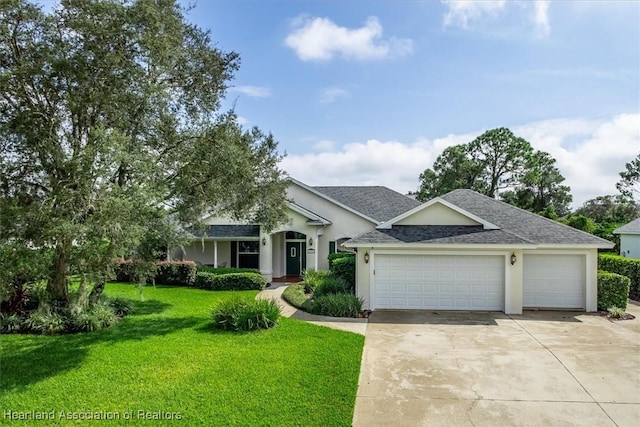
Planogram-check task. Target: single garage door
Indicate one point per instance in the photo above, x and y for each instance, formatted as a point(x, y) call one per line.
point(554, 281)
point(439, 282)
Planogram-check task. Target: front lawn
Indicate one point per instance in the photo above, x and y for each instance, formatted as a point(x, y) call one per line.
point(166, 358)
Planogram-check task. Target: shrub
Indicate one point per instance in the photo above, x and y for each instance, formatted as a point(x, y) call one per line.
point(91, 318)
point(226, 270)
point(337, 305)
point(613, 290)
point(331, 285)
point(616, 312)
point(338, 255)
point(297, 297)
point(121, 306)
point(11, 323)
point(175, 273)
point(628, 267)
point(246, 315)
point(312, 278)
point(45, 322)
point(345, 268)
point(170, 273)
point(230, 282)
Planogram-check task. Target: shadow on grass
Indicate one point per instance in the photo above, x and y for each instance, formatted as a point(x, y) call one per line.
point(32, 359)
point(142, 308)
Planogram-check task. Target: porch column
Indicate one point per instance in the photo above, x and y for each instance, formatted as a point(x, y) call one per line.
point(266, 256)
point(317, 250)
point(215, 253)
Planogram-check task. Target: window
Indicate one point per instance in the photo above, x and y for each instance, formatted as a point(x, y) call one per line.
point(248, 247)
point(294, 235)
point(332, 247)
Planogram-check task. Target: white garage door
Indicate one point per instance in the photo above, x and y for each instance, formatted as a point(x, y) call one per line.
point(554, 281)
point(439, 282)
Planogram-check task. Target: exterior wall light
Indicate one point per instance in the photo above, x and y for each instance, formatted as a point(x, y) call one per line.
point(366, 257)
point(264, 241)
point(513, 258)
point(310, 241)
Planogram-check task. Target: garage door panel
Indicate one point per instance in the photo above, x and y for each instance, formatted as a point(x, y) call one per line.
point(439, 282)
point(554, 281)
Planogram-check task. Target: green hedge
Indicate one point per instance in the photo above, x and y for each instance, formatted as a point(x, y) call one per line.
point(613, 290)
point(226, 270)
point(170, 273)
point(230, 282)
point(628, 267)
point(344, 267)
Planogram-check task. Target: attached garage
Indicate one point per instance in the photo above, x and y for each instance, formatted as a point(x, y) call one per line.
point(442, 282)
point(554, 281)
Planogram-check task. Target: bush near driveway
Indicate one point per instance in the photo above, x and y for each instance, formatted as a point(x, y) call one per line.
point(337, 305)
point(343, 265)
point(613, 290)
point(628, 267)
point(230, 282)
point(312, 278)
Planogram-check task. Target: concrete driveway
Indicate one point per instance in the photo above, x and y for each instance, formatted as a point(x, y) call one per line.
point(489, 369)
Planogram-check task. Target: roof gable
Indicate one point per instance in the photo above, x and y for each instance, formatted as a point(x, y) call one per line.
point(632, 227)
point(438, 212)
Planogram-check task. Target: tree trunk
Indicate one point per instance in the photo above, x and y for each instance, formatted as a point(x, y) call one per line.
point(57, 285)
point(96, 292)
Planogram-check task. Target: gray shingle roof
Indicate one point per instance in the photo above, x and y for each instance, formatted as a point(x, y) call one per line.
point(229, 231)
point(632, 227)
point(376, 202)
point(516, 226)
point(438, 234)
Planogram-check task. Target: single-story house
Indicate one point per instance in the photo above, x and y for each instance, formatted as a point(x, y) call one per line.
point(321, 219)
point(460, 251)
point(629, 239)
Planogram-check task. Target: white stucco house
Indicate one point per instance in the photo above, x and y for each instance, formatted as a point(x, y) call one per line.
point(460, 251)
point(629, 239)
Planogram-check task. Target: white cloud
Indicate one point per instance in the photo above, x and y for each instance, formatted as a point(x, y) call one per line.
point(252, 91)
point(243, 120)
point(330, 94)
point(463, 12)
point(320, 39)
point(324, 145)
point(541, 18)
point(467, 14)
point(589, 154)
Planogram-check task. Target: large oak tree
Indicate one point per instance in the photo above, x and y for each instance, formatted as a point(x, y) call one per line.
point(111, 134)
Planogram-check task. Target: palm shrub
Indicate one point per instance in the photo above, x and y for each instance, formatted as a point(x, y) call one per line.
point(246, 315)
point(312, 278)
point(337, 305)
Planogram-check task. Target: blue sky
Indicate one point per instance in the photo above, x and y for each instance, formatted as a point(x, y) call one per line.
point(370, 92)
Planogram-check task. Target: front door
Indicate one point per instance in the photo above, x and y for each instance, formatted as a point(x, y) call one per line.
point(296, 258)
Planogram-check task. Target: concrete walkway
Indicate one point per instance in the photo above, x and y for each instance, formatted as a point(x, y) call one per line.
point(357, 326)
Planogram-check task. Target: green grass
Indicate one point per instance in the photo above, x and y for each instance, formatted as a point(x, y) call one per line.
point(167, 357)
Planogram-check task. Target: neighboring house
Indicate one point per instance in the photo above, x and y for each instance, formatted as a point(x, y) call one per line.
point(321, 219)
point(629, 239)
point(466, 251)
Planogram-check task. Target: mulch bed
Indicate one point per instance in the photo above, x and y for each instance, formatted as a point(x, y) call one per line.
point(625, 316)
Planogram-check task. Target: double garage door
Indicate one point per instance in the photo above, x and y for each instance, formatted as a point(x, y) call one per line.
point(443, 282)
point(474, 282)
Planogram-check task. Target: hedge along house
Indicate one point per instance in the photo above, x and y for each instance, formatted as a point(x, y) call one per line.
point(466, 251)
point(321, 219)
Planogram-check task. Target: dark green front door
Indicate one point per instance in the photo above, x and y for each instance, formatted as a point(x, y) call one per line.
point(296, 258)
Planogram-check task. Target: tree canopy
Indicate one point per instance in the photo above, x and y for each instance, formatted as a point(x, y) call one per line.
point(111, 134)
point(499, 164)
point(629, 184)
